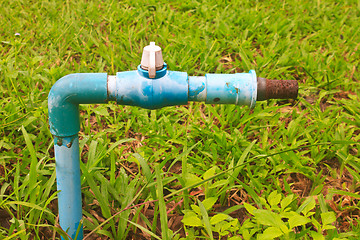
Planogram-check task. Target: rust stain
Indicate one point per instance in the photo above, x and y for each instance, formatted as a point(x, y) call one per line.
point(59, 142)
point(276, 89)
point(281, 89)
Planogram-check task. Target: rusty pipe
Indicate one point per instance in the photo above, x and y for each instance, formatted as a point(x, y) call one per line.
point(276, 89)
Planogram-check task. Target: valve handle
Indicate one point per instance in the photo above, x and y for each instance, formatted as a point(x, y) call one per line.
point(152, 59)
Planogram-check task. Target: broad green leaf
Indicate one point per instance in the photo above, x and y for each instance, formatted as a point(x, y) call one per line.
point(328, 227)
point(209, 202)
point(192, 179)
point(316, 223)
point(210, 172)
point(196, 209)
point(142, 228)
point(236, 238)
point(27, 204)
point(355, 174)
point(345, 193)
point(322, 203)
point(33, 172)
point(248, 224)
point(246, 234)
point(232, 209)
point(271, 233)
point(241, 161)
point(286, 202)
point(191, 219)
point(101, 110)
point(297, 220)
point(95, 189)
point(219, 183)
point(328, 218)
point(252, 193)
point(263, 202)
point(308, 205)
point(249, 208)
point(274, 198)
point(317, 236)
point(267, 217)
point(147, 172)
point(15, 234)
point(218, 218)
point(225, 227)
point(288, 214)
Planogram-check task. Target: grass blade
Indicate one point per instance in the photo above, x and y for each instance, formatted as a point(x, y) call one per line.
point(205, 218)
point(162, 206)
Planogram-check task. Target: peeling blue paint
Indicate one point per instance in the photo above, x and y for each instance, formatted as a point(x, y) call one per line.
point(197, 89)
point(239, 88)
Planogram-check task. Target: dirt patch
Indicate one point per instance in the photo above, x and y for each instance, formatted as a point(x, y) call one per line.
point(2, 171)
point(339, 189)
point(5, 219)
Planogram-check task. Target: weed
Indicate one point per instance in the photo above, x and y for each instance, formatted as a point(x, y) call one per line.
point(185, 156)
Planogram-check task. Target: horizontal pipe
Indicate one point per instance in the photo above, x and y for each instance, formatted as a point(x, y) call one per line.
point(134, 89)
point(238, 89)
point(176, 88)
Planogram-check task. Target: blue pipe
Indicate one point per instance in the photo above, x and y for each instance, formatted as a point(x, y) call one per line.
point(63, 103)
point(68, 183)
point(66, 95)
point(133, 88)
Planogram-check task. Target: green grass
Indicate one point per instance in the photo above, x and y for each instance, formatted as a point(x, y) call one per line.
point(143, 170)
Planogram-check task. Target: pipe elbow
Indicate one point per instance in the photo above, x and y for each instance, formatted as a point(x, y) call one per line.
point(66, 95)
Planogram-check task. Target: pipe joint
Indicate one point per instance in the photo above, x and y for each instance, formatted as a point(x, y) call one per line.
point(238, 89)
point(134, 89)
point(66, 95)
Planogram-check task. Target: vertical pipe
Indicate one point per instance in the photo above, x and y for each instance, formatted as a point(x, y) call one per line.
point(64, 120)
point(68, 184)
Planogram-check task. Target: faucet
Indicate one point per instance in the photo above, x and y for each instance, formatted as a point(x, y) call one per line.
point(150, 86)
